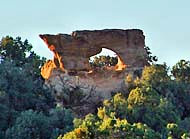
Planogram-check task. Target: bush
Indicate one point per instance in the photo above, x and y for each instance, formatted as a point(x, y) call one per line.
point(62, 120)
point(118, 104)
point(181, 71)
point(154, 76)
point(148, 107)
point(20, 91)
point(30, 125)
point(107, 126)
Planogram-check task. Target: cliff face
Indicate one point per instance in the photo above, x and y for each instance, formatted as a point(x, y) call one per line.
point(70, 68)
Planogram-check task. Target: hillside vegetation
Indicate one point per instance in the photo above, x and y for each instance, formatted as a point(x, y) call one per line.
point(155, 106)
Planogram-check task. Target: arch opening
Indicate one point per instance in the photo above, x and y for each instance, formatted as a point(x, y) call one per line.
point(107, 58)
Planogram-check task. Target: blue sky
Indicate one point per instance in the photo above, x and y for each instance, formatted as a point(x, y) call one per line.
point(166, 23)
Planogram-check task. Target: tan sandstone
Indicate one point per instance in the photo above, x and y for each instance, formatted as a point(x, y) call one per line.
point(70, 68)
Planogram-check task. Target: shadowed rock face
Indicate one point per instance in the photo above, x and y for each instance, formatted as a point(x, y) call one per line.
point(72, 52)
point(70, 68)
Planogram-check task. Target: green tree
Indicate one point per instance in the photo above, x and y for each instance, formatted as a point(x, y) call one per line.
point(154, 76)
point(102, 61)
point(150, 58)
point(176, 91)
point(14, 49)
point(103, 126)
point(21, 85)
point(20, 52)
point(181, 71)
point(118, 105)
point(62, 120)
point(30, 125)
point(148, 107)
point(21, 91)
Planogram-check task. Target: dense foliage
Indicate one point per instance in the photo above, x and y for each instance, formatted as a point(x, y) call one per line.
point(27, 109)
point(156, 104)
point(181, 71)
point(108, 126)
point(102, 61)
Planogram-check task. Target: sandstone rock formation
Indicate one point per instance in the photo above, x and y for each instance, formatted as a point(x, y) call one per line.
point(72, 52)
point(70, 68)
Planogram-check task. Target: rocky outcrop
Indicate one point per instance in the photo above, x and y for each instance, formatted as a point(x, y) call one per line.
point(70, 69)
point(84, 91)
point(72, 52)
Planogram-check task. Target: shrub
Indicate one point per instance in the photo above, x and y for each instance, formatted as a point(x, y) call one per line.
point(107, 126)
point(30, 125)
point(148, 107)
point(62, 120)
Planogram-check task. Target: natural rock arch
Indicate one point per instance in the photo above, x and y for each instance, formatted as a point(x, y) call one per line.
point(119, 65)
point(72, 52)
point(70, 67)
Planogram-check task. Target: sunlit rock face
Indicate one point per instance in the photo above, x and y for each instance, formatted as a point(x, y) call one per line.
point(70, 68)
point(72, 52)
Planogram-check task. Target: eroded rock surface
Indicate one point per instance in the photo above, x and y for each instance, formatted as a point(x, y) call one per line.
point(70, 69)
point(72, 52)
point(84, 91)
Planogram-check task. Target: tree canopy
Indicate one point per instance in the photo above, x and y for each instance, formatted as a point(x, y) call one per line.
point(20, 53)
point(27, 108)
point(102, 61)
